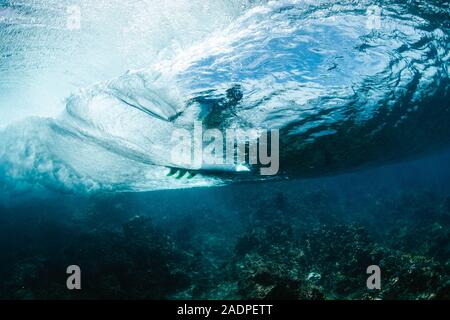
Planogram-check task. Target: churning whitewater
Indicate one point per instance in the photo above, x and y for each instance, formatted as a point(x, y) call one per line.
point(346, 85)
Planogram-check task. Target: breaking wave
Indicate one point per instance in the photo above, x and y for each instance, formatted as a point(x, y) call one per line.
point(347, 84)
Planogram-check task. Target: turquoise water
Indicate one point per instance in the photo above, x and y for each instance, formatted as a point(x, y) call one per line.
point(91, 94)
point(345, 88)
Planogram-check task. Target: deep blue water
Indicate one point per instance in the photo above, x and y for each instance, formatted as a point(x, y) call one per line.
point(359, 91)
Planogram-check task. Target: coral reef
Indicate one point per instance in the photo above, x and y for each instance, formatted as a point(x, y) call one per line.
point(313, 243)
